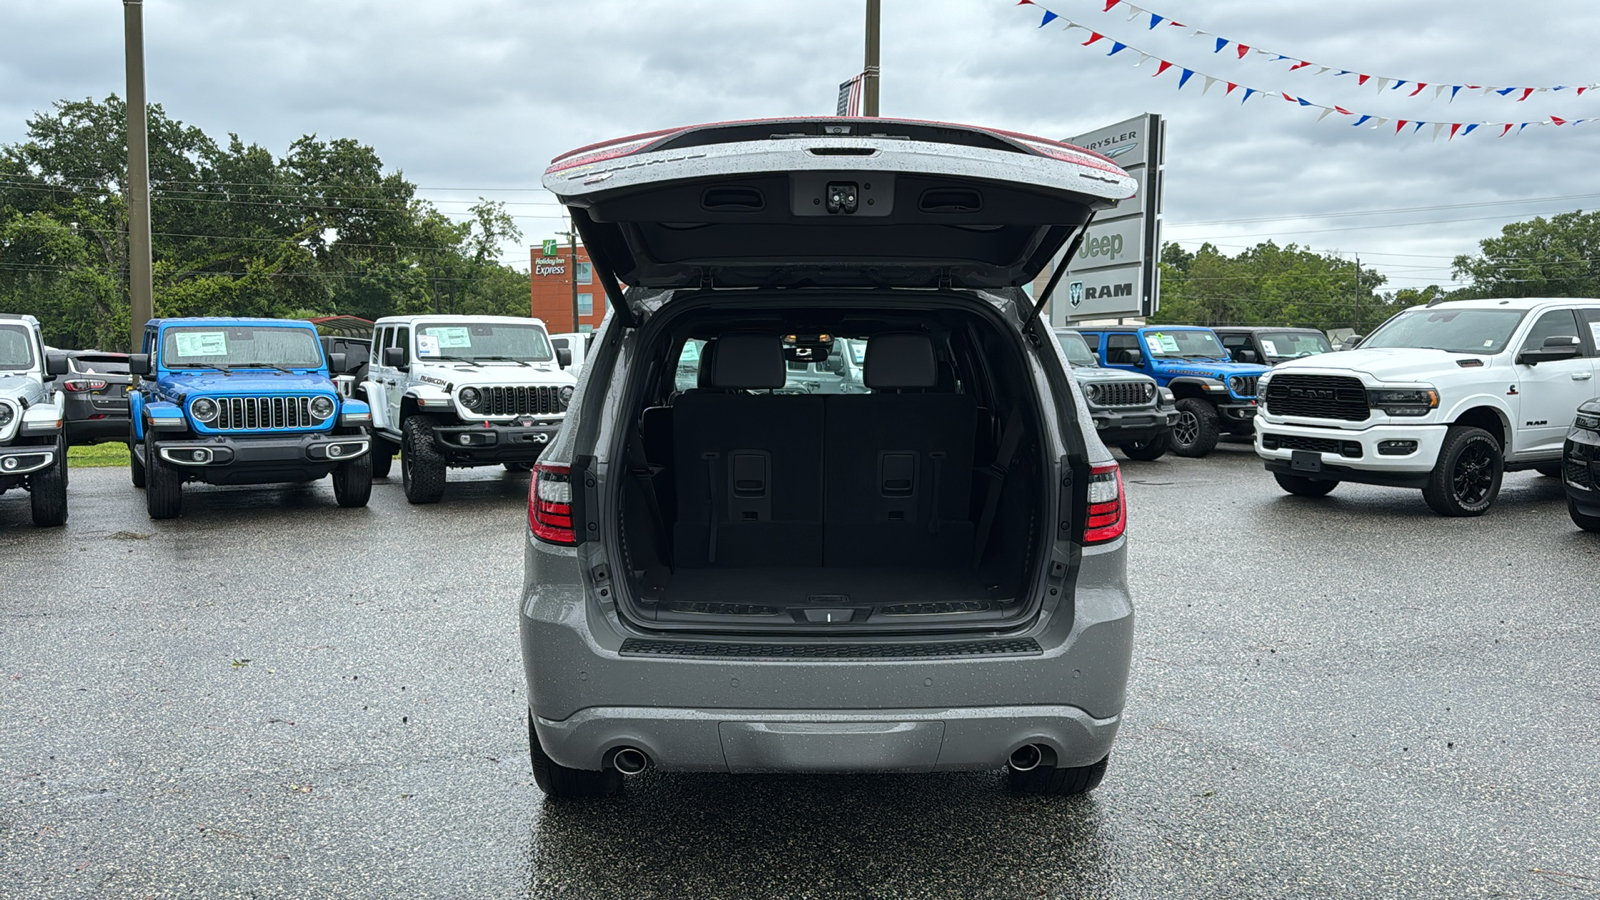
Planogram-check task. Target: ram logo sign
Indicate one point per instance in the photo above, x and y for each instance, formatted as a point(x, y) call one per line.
point(1075, 293)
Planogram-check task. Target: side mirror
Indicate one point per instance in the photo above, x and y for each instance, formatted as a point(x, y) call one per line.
point(1246, 356)
point(139, 363)
point(564, 357)
point(1351, 342)
point(337, 364)
point(394, 357)
point(55, 363)
point(1560, 346)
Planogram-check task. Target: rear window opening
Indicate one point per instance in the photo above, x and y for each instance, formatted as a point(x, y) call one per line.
point(832, 470)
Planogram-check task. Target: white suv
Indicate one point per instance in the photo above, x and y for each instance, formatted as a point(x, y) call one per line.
point(461, 391)
point(1445, 397)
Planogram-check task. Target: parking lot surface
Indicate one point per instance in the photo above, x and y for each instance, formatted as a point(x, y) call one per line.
point(275, 697)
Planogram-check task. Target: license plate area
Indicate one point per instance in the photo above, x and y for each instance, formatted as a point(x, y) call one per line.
point(1308, 461)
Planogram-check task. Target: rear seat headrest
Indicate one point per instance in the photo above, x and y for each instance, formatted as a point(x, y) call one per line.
point(900, 360)
point(748, 362)
point(708, 358)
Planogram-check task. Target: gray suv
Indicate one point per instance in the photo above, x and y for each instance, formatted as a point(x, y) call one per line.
point(763, 571)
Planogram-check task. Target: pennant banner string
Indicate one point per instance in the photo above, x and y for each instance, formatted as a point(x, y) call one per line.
point(1457, 129)
point(1411, 87)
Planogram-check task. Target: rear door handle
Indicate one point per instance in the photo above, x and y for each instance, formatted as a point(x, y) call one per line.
point(1582, 376)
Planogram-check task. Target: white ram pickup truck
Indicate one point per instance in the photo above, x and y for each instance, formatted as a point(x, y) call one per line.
point(1445, 398)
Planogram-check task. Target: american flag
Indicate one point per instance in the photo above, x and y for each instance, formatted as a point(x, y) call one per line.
point(850, 96)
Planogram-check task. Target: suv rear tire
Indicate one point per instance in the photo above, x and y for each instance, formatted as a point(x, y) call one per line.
point(47, 490)
point(1145, 451)
point(1301, 486)
point(352, 481)
point(559, 781)
point(1066, 781)
point(163, 489)
point(421, 466)
point(1466, 479)
point(1197, 429)
point(1587, 523)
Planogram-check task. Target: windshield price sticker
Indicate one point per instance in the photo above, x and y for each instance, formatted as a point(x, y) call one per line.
point(450, 338)
point(202, 343)
point(1161, 343)
point(427, 345)
point(1269, 346)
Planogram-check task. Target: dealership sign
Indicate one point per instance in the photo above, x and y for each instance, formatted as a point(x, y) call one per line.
point(1114, 272)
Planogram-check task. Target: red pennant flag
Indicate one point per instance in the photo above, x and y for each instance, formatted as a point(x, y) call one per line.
point(1362, 79)
point(1243, 49)
point(1582, 89)
point(1454, 127)
point(1558, 120)
point(1342, 110)
point(1420, 86)
point(1473, 87)
point(1504, 130)
point(1399, 125)
point(1162, 68)
point(1109, 4)
point(1230, 89)
point(1289, 98)
point(1024, 2)
point(1094, 36)
point(1176, 24)
point(1299, 65)
point(1525, 93)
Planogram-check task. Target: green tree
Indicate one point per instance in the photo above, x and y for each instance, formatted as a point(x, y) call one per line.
point(1555, 257)
point(1267, 285)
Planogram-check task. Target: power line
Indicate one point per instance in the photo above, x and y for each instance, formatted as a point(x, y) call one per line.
point(1381, 212)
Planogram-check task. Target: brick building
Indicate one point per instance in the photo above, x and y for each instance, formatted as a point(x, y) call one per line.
point(552, 289)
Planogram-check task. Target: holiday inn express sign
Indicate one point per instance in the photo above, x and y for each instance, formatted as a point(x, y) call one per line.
point(1114, 272)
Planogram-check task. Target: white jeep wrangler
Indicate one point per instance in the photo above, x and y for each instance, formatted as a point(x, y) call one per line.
point(1446, 398)
point(462, 391)
point(33, 450)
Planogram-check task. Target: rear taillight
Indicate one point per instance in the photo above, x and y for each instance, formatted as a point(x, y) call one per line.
point(83, 385)
point(550, 505)
point(1108, 513)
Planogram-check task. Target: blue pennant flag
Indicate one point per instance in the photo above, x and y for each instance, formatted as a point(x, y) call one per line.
point(1184, 78)
point(1522, 126)
point(1453, 89)
point(1048, 16)
point(1504, 91)
point(1341, 72)
point(1418, 128)
point(1303, 101)
point(1278, 57)
point(1247, 92)
point(1397, 84)
point(1468, 130)
point(1156, 20)
point(1221, 42)
point(1117, 47)
point(1360, 120)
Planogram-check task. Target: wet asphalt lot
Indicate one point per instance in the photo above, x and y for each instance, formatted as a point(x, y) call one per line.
point(274, 697)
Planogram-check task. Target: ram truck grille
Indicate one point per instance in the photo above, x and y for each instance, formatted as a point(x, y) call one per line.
point(1317, 397)
point(264, 413)
point(520, 401)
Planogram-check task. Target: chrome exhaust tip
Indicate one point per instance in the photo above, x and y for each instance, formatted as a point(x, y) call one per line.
point(1025, 758)
point(630, 761)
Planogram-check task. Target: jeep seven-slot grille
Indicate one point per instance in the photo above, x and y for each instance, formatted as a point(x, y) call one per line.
point(520, 401)
point(1123, 393)
point(1243, 385)
point(1317, 397)
point(247, 413)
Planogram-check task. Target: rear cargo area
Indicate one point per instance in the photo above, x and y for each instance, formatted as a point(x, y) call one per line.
point(909, 500)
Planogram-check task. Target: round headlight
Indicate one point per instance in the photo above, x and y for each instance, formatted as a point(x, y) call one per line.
point(321, 407)
point(6, 414)
point(566, 396)
point(204, 410)
point(470, 397)
point(1093, 393)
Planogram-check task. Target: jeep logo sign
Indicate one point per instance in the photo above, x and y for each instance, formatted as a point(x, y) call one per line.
point(1105, 248)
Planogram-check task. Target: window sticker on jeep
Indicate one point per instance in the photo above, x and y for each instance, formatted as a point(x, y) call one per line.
point(1161, 343)
point(452, 337)
point(1270, 347)
point(202, 343)
point(427, 345)
point(1594, 329)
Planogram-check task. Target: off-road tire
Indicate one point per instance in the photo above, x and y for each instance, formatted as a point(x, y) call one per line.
point(1145, 451)
point(163, 487)
point(518, 467)
point(1587, 523)
point(47, 490)
point(135, 468)
point(1197, 429)
point(1549, 469)
point(1066, 781)
point(421, 465)
point(382, 454)
point(352, 481)
point(561, 782)
point(1301, 486)
point(1466, 479)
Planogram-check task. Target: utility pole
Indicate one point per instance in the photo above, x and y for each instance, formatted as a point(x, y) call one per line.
point(869, 72)
point(571, 234)
point(140, 287)
point(1358, 294)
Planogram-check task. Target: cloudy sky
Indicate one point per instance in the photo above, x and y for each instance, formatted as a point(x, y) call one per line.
point(471, 98)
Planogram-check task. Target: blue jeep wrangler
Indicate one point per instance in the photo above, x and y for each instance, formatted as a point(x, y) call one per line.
point(242, 401)
point(1215, 395)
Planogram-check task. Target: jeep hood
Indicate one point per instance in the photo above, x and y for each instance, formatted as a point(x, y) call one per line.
point(831, 203)
point(20, 386)
point(1086, 374)
point(255, 381)
point(460, 373)
point(1399, 364)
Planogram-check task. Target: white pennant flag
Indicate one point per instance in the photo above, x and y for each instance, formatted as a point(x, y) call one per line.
point(1486, 91)
point(1379, 122)
point(1383, 83)
point(1209, 82)
point(1321, 70)
point(1199, 33)
point(1436, 128)
point(1326, 110)
point(1439, 91)
point(1133, 12)
point(1143, 58)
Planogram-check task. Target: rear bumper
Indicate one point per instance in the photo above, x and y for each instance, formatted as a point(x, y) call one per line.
point(1116, 426)
point(111, 426)
point(260, 460)
point(821, 741)
point(480, 445)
